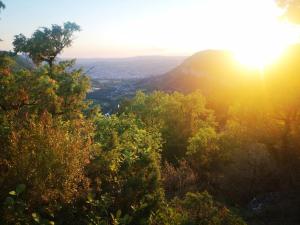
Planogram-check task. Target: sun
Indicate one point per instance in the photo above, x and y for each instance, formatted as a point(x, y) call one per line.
point(259, 55)
point(265, 47)
point(262, 39)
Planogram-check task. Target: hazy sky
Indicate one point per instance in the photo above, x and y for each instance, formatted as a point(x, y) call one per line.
point(120, 28)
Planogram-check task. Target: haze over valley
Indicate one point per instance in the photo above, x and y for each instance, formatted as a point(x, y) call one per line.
point(150, 112)
point(129, 68)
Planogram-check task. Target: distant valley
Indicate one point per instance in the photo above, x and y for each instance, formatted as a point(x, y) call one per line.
point(129, 68)
point(216, 73)
point(116, 79)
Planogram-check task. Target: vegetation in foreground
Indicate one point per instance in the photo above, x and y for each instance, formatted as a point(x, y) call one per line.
point(164, 158)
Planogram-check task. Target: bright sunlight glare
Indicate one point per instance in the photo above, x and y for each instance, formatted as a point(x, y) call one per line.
point(266, 46)
point(263, 37)
point(253, 30)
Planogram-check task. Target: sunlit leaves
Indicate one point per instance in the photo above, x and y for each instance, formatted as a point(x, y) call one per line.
point(176, 116)
point(46, 43)
point(2, 6)
point(127, 166)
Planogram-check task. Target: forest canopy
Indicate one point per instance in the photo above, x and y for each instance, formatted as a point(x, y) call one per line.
point(163, 158)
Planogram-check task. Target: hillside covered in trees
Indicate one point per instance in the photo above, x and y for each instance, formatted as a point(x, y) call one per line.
point(226, 151)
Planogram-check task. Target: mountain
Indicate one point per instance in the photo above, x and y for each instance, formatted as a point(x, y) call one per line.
point(206, 70)
point(116, 79)
point(216, 73)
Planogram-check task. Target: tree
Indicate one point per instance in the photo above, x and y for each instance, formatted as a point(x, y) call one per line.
point(201, 209)
point(127, 169)
point(46, 43)
point(178, 180)
point(206, 156)
point(48, 155)
point(252, 170)
point(285, 112)
point(33, 92)
point(176, 116)
point(2, 6)
point(45, 137)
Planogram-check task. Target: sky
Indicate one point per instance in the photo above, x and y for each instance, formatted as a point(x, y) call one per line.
point(124, 28)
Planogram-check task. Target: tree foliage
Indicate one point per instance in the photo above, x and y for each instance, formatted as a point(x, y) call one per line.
point(2, 6)
point(154, 162)
point(46, 43)
point(176, 116)
point(127, 169)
